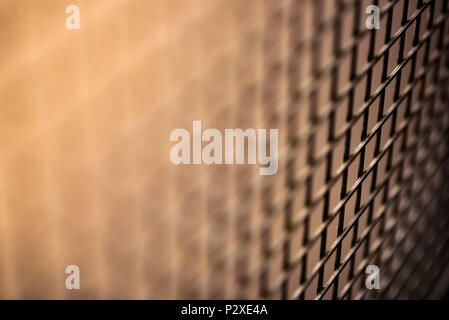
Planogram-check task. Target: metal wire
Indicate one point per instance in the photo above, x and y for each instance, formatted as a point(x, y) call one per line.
point(363, 119)
point(421, 94)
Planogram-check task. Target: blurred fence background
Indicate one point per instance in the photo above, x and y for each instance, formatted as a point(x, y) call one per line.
point(85, 175)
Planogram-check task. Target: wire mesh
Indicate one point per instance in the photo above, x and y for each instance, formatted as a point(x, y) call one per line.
point(85, 120)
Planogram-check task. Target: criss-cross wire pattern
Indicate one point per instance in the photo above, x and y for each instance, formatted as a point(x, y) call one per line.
point(86, 177)
point(392, 212)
